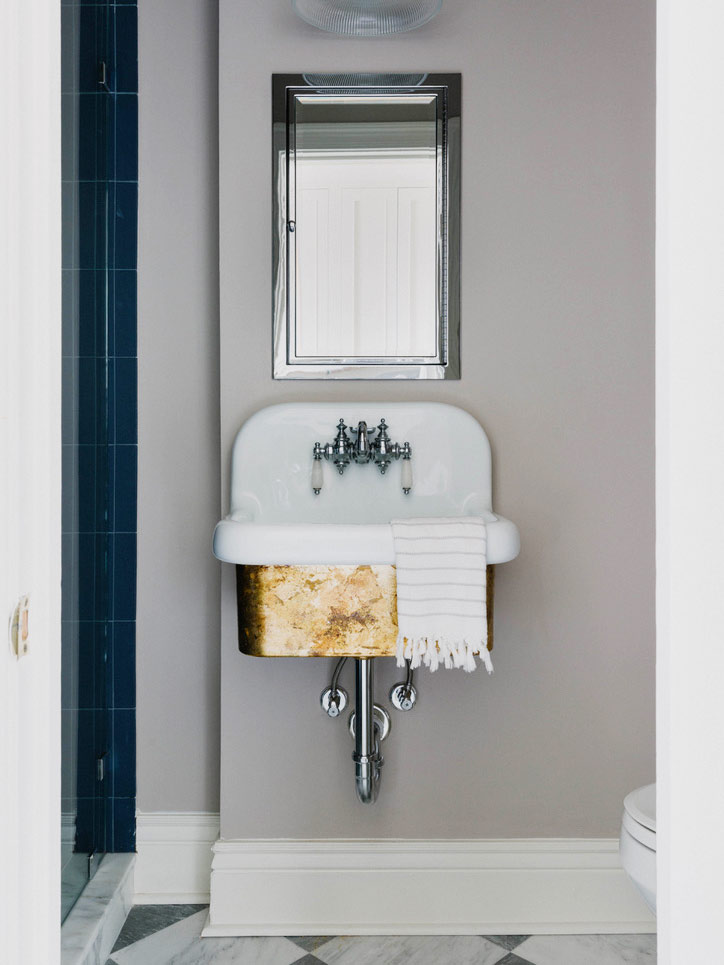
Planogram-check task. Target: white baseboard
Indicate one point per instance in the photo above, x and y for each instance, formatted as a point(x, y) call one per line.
point(531, 886)
point(386, 887)
point(174, 856)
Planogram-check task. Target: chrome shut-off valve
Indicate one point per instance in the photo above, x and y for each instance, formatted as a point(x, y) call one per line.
point(379, 450)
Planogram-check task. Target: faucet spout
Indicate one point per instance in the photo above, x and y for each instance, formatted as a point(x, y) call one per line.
point(362, 451)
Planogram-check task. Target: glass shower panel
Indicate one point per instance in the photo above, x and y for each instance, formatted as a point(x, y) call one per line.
point(85, 420)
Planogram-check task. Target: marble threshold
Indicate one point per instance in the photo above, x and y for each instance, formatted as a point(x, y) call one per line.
point(90, 931)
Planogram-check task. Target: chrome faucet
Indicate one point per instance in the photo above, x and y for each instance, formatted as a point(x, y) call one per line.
point(362, 449)
point(379, 450)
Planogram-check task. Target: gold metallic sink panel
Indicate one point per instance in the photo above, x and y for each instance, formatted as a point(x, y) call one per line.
point(323, 611)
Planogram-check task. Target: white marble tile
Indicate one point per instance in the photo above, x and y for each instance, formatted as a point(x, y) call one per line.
point(589, 950)
point(410, 949)
point(181, 944)
point(240, 951)
point(90, 930)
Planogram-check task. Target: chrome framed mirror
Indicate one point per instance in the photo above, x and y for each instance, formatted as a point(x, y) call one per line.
point(366, 226)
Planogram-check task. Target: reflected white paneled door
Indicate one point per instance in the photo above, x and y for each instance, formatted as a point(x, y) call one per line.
point(313, 269)
point(358, 219)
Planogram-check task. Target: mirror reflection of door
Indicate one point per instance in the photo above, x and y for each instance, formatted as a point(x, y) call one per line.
point(366, 227)
point(366, 251)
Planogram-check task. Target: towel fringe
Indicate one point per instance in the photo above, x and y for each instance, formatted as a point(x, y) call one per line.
point(432, 653)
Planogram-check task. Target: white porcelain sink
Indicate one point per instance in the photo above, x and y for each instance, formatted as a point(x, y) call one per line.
point(275, 518)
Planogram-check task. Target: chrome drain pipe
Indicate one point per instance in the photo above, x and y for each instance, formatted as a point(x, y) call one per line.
point(367, 757)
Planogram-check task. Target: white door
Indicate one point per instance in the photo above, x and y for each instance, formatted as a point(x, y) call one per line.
point(30, 479)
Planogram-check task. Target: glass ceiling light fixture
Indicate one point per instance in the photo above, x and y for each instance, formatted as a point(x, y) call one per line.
point(366, 18)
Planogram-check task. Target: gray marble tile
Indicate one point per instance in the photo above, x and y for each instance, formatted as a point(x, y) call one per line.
point(144, 920)
point(410, 949)
point(181, 944)
point(308, 942)
point(512, 959)
point(308, 960)
point(589, 950)
point(507, 941)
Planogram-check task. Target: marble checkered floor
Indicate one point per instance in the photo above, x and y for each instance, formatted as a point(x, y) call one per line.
point(170, 935)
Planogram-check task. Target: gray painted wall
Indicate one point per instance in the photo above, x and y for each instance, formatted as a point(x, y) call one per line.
point(178, 425)
point(557, 335)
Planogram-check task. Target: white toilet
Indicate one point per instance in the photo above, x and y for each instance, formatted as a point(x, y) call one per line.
point(637, 844)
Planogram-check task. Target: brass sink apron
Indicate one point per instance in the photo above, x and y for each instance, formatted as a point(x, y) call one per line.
point(323, 611)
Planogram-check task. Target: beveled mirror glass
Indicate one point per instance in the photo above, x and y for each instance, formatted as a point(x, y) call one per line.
point(366, 226)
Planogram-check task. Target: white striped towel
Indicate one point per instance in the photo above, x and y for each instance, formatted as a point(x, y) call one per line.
point(441, 592)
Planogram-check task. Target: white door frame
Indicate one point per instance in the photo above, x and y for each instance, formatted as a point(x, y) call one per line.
point(30, 478)
point(690, 478)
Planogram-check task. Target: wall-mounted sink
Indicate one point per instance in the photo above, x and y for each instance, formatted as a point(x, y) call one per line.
point(275, 518)
point(314, 556)
point(315, 573)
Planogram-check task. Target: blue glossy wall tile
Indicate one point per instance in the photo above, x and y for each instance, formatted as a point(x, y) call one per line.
point(126, 48)
point(124, 752)
point(88, 415)
point(124, 664)
point(126, 400)
point(91, 290)
point(86, 565)
point(99, 426)
point(87, 652)
point(123, 328)
point(86, 488)
point(125, 474)
point(124, 576)
point(103, 489)
point(124, 226)
point(92, 45)
point(92, 119)
point(85, 836)
point(126, 137)
point(92, 219)
point(101, 636)
point(124, 824)
point(87, 751)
